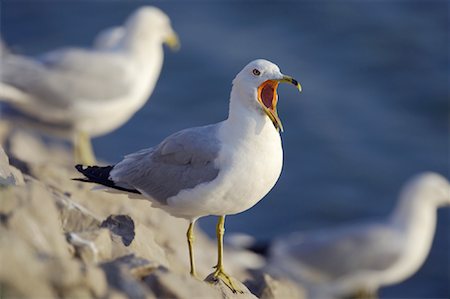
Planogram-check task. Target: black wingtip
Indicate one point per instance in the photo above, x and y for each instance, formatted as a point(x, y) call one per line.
point(82, 180)
point(100, 175)
point(80, 168)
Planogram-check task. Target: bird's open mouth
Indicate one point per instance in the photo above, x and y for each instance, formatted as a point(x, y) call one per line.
point(268, 97)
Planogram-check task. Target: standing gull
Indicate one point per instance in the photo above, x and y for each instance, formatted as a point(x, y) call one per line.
point(220, 169)
point(92, 91)
point(359, 259)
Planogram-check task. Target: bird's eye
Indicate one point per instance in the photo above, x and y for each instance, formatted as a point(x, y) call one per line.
point(256, 72)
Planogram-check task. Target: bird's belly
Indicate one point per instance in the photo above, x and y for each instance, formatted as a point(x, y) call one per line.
point(101, 118)
point(104, 118)
point(249, 182)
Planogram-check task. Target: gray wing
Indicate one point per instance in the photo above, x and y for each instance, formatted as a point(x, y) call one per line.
point(182, 161)
point(62, 77)
point(110, 38)
point(335, 254)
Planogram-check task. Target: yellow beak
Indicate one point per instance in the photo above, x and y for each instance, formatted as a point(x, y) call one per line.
point(173, 42)
point(268, 98)
point(288, 79)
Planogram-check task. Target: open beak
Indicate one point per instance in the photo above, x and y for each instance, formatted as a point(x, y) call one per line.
point(268, 98)
point(172, 41)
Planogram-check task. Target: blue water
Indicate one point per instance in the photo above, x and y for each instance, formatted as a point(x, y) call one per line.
point(374, 110)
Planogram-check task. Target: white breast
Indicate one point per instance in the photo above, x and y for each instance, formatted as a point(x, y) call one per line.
point(250, 169)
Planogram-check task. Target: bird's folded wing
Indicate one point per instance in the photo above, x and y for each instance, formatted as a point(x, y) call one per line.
point(63, 77)
point(182, 161)
point(348, 251)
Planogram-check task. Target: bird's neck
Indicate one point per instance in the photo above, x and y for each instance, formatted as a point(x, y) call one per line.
point(147, 56)
point(415, 217)
point(246, 119)
point(413, 209)
point(143, 48)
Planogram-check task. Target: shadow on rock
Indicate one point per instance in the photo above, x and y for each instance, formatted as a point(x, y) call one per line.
point(121, 225)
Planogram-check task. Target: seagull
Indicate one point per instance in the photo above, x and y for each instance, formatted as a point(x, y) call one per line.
point(91, 91)
point(219, 169)
point(357, 260)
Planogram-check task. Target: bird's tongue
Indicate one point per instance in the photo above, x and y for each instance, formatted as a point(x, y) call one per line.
point(267, 95)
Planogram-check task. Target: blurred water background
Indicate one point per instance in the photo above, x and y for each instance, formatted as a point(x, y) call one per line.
point(374, 110)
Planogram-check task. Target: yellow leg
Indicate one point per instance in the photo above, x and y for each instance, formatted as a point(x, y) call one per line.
point(219, 272)
point(365, 294)
point(190, 240)
point(83, 149)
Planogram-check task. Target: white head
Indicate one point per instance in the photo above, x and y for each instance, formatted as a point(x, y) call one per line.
point(428, 187)
point(150, 23)
point(257, 85)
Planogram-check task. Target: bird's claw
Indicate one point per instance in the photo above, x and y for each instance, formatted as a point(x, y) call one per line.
point(227, 280)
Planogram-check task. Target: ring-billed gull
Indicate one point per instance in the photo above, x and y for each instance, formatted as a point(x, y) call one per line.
point(219, 169)
point(92, 91)
point(359, 259)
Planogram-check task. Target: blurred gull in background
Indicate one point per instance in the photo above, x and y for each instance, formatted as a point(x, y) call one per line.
point(357, 260)
point(91, 91)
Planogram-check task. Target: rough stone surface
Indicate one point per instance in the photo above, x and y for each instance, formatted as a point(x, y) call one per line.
point(73, 216)
point(266, 287)
point(95, 280)
point(35, 218)
point(9, 175)
point(6, 177)
point(60, 239)
point(92, 246)
point(123, 275)
point(226, 292)
point(167, 284)
point(26, 281)
point(121, 225)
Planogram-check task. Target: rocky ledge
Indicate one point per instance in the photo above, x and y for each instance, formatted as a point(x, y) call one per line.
point(60, 239)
